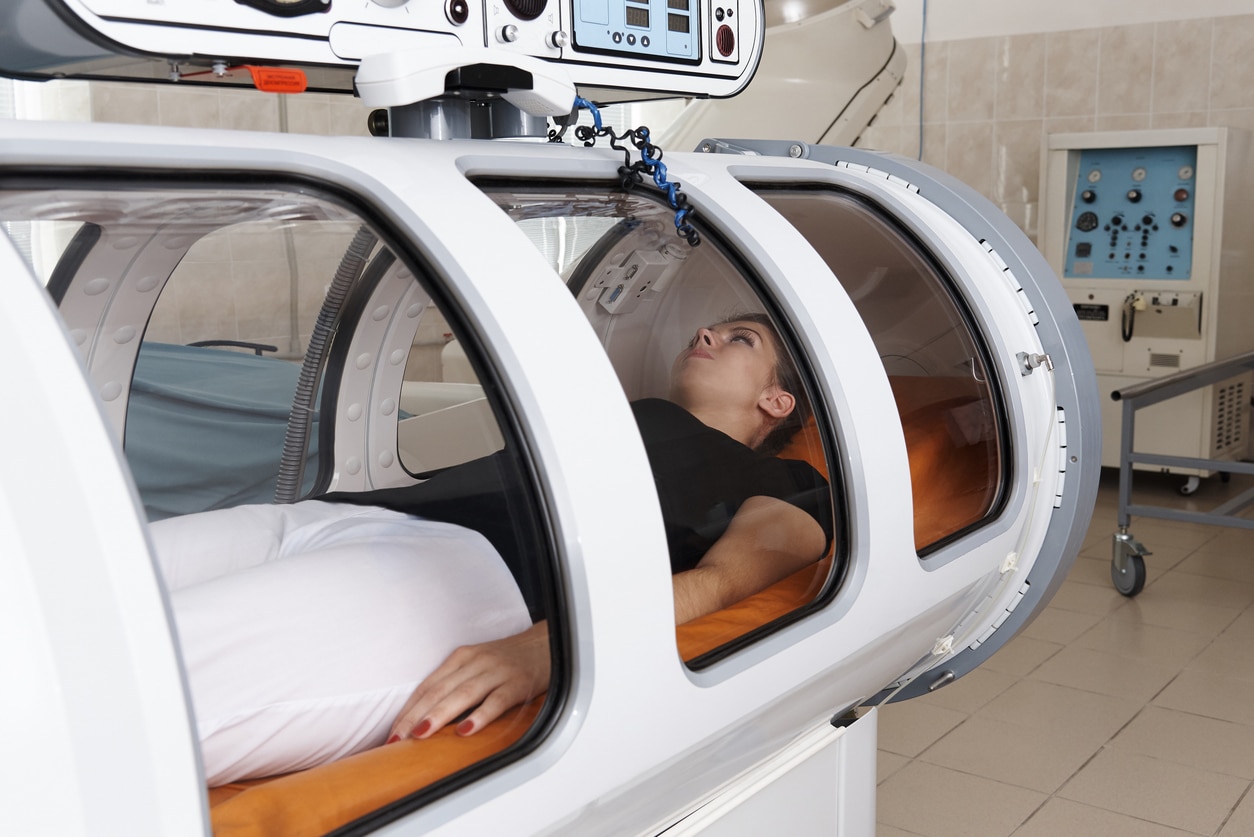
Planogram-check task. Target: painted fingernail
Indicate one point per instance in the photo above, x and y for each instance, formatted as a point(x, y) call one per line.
point(466, 727)
point(394, 739)
point(421, 729)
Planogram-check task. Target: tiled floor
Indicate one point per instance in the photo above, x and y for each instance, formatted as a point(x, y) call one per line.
point(1107, 716)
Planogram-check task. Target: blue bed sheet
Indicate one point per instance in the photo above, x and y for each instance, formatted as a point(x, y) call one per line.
point(205, 427)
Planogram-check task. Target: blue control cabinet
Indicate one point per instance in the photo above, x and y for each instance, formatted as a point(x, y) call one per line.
point(1132, 215)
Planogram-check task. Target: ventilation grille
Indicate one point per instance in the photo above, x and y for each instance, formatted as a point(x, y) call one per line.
point(1230, 415)
point(1164, 361)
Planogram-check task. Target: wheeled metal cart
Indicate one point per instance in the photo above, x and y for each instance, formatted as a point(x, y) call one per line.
point(1127, 568)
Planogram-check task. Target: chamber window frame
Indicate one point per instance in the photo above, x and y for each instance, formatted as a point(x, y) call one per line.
point(962, 306)
point(443, 291)
point(712, 235)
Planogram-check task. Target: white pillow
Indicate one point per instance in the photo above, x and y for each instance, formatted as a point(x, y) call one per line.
point(305, 627)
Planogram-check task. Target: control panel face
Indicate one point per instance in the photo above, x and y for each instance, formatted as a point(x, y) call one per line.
point(1133, 214)
point(615, 47)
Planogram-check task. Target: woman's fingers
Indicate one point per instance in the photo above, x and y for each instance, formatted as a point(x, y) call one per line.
point(489, 678)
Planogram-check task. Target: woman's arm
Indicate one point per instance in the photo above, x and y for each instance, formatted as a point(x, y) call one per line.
point(767, 539)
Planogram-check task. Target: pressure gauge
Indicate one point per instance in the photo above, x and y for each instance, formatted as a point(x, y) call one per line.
point(1138, 173)
point(1185, 173)
point(1095, 175)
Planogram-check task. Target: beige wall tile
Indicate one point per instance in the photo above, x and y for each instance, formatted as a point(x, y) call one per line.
point(1017, 150)
point(1020, 88)
point(133, 104)
point(347, 117)
point(249, 110)
point(1239, 118)
point(969, 155)
point(188, 107)
point(1127, 66)
point(308, 113)
point(881, 138)
point(1180, 119)
point(1181, 65)
point(1169, 794)
point(1123, 122)
point(1072, 61)
point(935, 84)
point(971, 85)
point(1069, 124)
point(1230, 85)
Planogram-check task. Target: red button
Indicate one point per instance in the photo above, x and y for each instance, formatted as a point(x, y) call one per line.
point(725, 39)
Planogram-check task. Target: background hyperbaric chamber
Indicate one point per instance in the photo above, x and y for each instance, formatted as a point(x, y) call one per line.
point(559, 368)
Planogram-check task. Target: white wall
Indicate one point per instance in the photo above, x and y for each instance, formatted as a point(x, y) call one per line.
point(949, 20)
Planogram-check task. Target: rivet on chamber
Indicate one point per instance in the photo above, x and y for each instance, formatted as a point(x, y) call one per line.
point(110, 391)
point(387, 407)
point(123, 335)
point(125, 242)
point(414, 310)
point(96, 286)
point(386, 459)
point(364, 360)
point(147, 283)
point(381, 312)
point(353, 465)
point(353, 412)
point(397, 357)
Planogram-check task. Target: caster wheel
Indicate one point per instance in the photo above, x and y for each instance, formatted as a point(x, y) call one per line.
point(1132, 580)
point(1225, 477)
point(1190, 485)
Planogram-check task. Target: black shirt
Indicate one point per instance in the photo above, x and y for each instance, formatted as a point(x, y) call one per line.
point(702, 477)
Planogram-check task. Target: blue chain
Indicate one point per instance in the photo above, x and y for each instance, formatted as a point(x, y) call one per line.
point(650, 163)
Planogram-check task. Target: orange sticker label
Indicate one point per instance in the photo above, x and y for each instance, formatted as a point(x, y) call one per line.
point(278, 79)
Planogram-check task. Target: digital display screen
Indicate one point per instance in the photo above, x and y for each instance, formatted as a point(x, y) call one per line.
point(677, 23)
point(681, 5)
point(638, 16)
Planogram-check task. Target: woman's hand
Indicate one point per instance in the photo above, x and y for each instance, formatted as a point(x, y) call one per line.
point(492, 676)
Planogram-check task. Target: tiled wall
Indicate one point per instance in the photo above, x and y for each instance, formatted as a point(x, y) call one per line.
point(988, 102)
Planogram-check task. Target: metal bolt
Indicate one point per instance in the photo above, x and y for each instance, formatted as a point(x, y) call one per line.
point(795, 151)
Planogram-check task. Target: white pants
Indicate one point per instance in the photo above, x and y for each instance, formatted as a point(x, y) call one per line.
point(305, 627)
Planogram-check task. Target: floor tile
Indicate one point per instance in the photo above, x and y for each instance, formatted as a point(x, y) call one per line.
point(1159, 791)
point(1243, 625)
point(937, 802)
point(1123, 633)
point(971, 691)
point(1169, 610)
point(1095, 571)
point(1241, 821)
point(1021, 655)
point(882, 830)
point(1109, 673)
point(1235, 566)
point(1087, 598)
point(1195, 740)
point(1054, 624)
point(886, 764)
point(1084, 713)
point(909, 728)
point(1210, 695)
point(1035, 757)
point(1059, 817)
point(1230, 655)
point(1219, 592)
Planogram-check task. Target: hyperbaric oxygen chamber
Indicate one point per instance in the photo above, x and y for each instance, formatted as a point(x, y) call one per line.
point(514, 297)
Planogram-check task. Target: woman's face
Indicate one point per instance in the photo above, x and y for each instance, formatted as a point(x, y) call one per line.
point(724, 366)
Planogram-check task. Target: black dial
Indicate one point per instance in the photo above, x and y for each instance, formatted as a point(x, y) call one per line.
point(288, 8)
point(1087, 222)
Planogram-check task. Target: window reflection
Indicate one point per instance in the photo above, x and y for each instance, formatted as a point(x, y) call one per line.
point(935, 363)
point(669, 315)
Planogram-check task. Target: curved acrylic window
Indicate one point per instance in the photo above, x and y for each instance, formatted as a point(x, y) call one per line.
point(934, 359)
point(206, 299)
point(648, 295)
